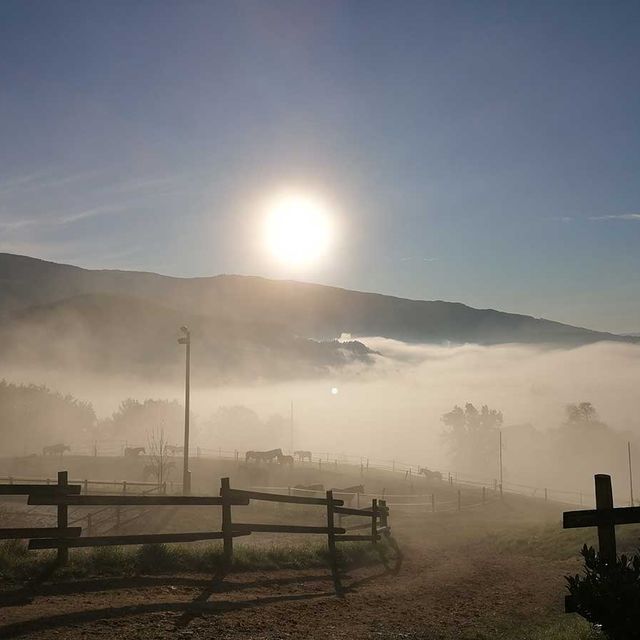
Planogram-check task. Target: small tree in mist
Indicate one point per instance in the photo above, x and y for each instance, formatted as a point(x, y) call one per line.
point(583, 414)
point(160, 464)
point(472, 437)
point(134, 419)
point(32, 416)
point(238, 425)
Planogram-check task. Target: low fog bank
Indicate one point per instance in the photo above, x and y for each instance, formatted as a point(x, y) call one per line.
point(390, 410)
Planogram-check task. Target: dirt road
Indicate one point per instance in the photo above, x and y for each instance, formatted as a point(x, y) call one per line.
point(447, 586)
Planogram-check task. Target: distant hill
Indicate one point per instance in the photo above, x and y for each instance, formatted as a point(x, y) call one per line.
point(246, 326)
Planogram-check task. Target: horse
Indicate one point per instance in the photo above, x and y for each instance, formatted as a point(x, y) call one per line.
point(133, 452)
point(303, 455)
point(285, 460)
point(430, 475)
point(55, 449)
point(258, 456)
point(347, 493)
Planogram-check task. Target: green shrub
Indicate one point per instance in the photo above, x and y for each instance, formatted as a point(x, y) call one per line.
point(608, 594)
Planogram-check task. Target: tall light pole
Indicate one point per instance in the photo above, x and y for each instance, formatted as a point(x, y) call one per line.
point(291, 429)
point(186, 474)
point(630, 475)
point(500, 462)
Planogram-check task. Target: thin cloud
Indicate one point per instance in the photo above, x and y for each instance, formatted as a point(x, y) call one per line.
point(564, 219)
point(419, 259)
point(623, 216)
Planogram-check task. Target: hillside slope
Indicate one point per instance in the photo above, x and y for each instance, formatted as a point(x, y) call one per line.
point(296, 309)
point(109, 333)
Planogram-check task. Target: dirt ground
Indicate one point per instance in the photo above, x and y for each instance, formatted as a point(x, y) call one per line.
point(452, 581)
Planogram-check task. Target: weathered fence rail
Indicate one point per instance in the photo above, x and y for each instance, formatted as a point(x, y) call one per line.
point(64, 537)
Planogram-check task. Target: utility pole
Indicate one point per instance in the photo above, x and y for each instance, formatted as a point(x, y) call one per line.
point(500, 462)
point(291, 428)
point(630, 474)
point(186, 474)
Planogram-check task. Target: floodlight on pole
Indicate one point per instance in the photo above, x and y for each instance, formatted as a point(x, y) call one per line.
point(186, 474)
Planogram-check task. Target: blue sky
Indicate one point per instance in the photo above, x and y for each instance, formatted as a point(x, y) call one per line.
point(483, 152)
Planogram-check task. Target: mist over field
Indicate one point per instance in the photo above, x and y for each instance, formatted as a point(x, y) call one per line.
point(392, 409)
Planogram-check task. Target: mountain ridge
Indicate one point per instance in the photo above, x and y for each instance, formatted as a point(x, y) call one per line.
point(251, 327)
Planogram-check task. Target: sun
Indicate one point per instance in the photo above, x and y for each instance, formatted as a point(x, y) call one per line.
point(297, 229)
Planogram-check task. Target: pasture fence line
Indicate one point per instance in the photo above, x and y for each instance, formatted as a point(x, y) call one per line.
point(325, 461)
point(432, 505)
point(65, 494)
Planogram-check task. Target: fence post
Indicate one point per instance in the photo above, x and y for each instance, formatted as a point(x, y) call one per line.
point(459, 500)
point(484, 494)
point(124, 487)
point(227, 525)
point(237, 455)
point(367, 464)
point(546, 495)
point(331, 541)
point(358, 500)
point(63, 514)
point(164, 488)
point(384, 518)
point(606, 532)
point(86, 487)
point(374, 520)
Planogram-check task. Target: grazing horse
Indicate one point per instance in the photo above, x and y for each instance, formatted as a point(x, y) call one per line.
point(303, 455)
point(430, 475)
point(55, 449)
point(347, 493)
point(133, 452)
point(268, 456)
point(285, 460)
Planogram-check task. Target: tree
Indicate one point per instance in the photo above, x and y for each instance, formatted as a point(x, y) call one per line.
point(33, 416)
point(240, 426)
point(134, 420)
point(583, 413)
point(160, 465)
point(472, 437)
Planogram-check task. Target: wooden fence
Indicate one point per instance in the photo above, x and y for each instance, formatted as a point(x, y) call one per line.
point(63, 495)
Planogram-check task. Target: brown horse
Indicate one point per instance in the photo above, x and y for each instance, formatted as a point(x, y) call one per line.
point(267, 456)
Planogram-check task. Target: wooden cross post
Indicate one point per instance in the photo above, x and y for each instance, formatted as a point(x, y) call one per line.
point(63, 515)
point(604, 516)
point(227, 524)
point(606, 531)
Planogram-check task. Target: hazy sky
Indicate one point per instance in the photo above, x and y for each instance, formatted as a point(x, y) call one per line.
point(485, 152)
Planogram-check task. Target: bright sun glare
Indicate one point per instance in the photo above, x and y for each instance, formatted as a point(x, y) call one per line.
point(298, 229)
